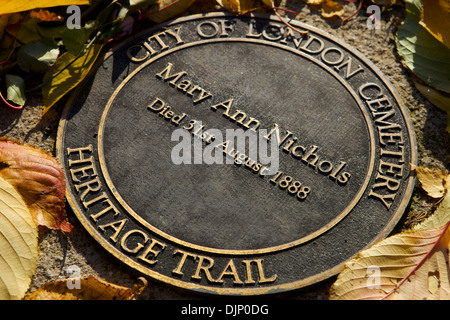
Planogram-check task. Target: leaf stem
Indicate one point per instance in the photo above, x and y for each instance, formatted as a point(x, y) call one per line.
point(303, 32)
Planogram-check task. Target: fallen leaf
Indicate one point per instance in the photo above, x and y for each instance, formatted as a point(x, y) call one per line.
point(45, 15)
point(37, 56)
point(386, 3)
point(32, 30)
point(440, 216)
point(68, 71)
point(331, 10)
point(435, 17)
point(408, 266)
point(167, 9)
point(240, 7)
point(90, 288)
point(4, 21)
point(15, 89)
point(434, 181)
point(39, 178)
point(8, 6)
point(422, 53)
point(75, 39)
point(18, 244)
point(314, 3)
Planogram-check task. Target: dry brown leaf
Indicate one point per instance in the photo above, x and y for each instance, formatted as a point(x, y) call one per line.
point(435, 17)
point(331, 10)
point(18, 244)
point(39, 178)
point(314, 3)
point(167, 9)
point(90, 288)
point(45, 15)
point(434, 181)
point(440, 216)
point(8, 20)
point(240, 7)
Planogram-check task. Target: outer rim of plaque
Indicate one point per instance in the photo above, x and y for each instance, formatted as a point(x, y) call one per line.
point(259, 290)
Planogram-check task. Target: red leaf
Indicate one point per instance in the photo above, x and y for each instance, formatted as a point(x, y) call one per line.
point(39, 178)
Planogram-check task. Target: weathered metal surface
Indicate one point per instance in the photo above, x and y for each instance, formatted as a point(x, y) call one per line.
point(344, 139)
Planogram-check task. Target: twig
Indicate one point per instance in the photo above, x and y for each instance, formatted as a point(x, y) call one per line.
point(354, 13)
point(285, 23)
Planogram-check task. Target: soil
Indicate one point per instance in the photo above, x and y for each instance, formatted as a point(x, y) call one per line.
point(59, 252)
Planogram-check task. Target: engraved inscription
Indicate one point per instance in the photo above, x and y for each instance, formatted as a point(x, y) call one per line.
point(341, 136)
point(391, 140)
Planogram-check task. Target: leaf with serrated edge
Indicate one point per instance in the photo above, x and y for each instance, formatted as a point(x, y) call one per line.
point(18, 244)
point(440, 216)
point(39, 178)
point(411, 266)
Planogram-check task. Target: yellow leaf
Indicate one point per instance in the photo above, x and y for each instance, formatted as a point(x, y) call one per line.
point(331, 10)
point(407, 266)
point(8, 6)
point(167, 9)
point(434, 181)
point(66, 73)
point(89, 288)
point(435, 17)
point(440, 216)
point(18, 244)
point(241, 7)
point(314, 2)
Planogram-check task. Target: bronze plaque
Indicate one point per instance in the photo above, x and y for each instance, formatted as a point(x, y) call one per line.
point(155, 175)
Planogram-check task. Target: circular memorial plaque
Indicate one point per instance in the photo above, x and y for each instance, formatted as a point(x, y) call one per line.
point(232, 155)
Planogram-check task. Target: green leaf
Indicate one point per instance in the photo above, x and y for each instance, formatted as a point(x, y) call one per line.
point(425, 56)
point(68, 71)
point(75, 39)
point(15, 89)
point(37, 56)
point(32, 31)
